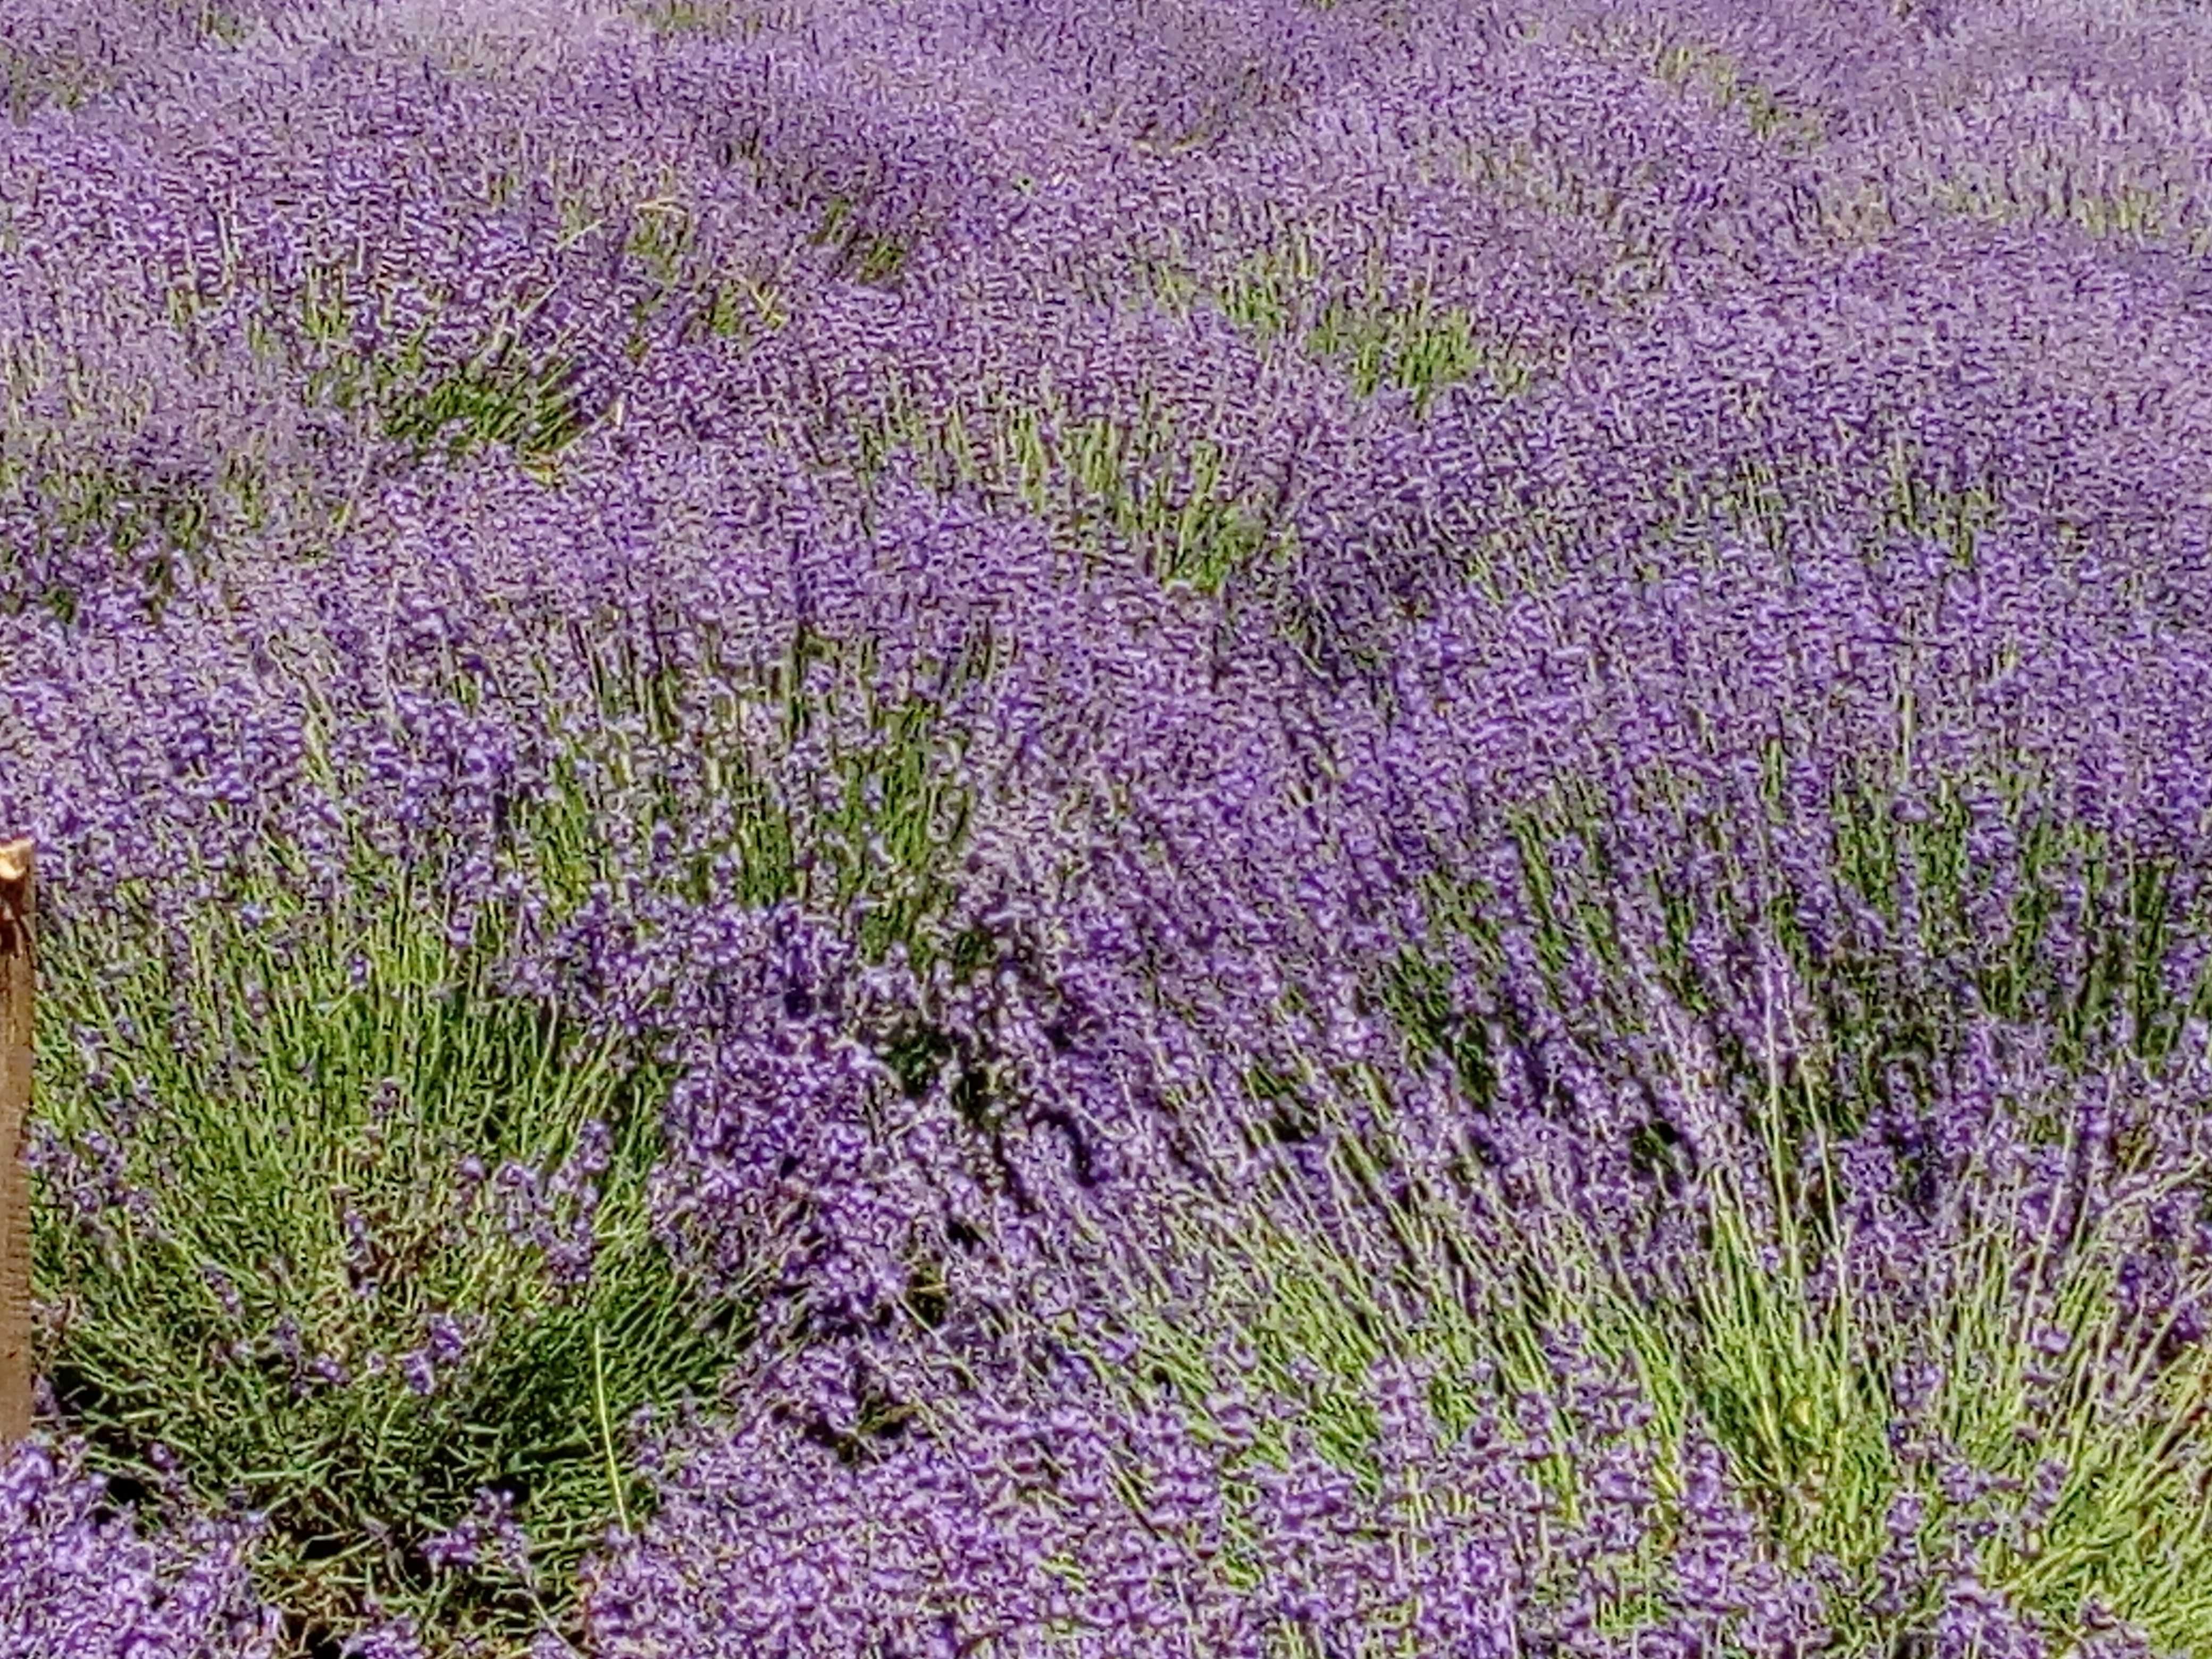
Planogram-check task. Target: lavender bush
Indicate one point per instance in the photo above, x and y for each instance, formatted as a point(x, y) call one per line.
point(994, 827)
point(468, 1299)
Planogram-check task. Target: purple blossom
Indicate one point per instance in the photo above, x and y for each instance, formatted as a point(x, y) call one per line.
point(1550, 657)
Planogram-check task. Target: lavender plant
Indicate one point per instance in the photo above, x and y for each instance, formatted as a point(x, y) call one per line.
point(351, 1240)
point(79, 1580)
point(1371, 829)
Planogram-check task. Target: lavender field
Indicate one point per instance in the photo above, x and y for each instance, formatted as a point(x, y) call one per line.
point(1112, 828)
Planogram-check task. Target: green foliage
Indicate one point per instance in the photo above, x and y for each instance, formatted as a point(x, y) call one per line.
point(31, 82)
point(864, 256)
point(1918, 505)
point(663, 237)
point(1283, 291)
point(1111, 484)
point(2085, 949)
point(153, 528)
point(1269, 289)
point(712, 299)
point(1680, 64)
point(1317, 1287)
point(713, 19)
point(2043, 188)
point(1319, 1282)
point(1798, 1395)
point(1415, 993)
point(2082, 953)
point(1417, 347)
point(288, 1093)
point(1792, 1380)
point(131, 509)
point(493, 394)
point(492, 397)
point(877, 823)
point(732, 307)
point(212, 23)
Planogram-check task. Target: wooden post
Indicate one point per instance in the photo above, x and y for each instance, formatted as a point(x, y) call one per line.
point(16, 978)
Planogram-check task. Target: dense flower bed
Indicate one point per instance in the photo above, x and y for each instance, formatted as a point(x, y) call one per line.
point(996, 827)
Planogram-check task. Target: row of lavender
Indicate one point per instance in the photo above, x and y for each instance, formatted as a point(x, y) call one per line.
point(1281, 830)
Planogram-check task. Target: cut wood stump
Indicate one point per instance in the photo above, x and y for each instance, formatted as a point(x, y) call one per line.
point(16, 980)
